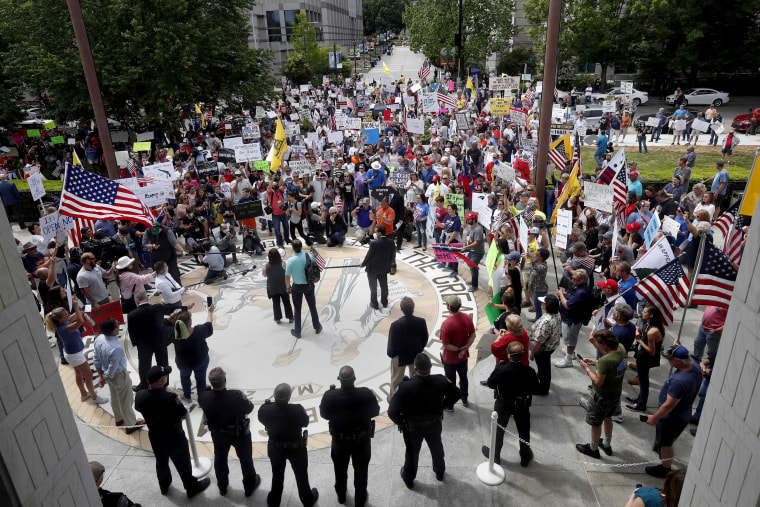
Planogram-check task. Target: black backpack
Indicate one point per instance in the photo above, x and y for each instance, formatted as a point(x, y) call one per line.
point(313, 273)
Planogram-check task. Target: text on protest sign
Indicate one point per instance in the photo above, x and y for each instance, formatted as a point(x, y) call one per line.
point(598, 196)
point(429, 102)
point(119, 136)
point(145, 136)
point(560, 129)
point(415, 126)
point(150, 195)
point(499, 107)
point(399, 179)
point(564, 226)
point(207, 170)
point(457, 199)
point(35, 186)
point(56, 226)
point(480, 206)
point(231, 142)
point(608, 106)
point(504, 171)
point(518, 116)
point(497, 83)
point(164, 170)
point(300, 166)
point(651, 230)
point(670, 226)
point(226, 156)
point(250, 209)
point(122, 158)
point(248, 152)
point(130, 183)
point(443, 253)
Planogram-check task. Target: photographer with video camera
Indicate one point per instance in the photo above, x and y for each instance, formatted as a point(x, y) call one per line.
point(296, 213)
point(223, 236)
point(105, 249)
point(162, 245)
point(317, 223)
point(276, 198)
point(91, 281)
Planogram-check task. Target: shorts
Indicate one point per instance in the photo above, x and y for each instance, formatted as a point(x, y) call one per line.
point(668, 431)
point(727, 151)
point(570, 333)
point(601, 406)
point(362, 232)
point(525, 275)
point(75, 359)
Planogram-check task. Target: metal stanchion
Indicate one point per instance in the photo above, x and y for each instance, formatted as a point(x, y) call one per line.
point(489, 472)
point(201, 465)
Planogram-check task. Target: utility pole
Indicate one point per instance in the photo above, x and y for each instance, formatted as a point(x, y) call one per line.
point(547, 96)
point(85, 53)
point(458, 43)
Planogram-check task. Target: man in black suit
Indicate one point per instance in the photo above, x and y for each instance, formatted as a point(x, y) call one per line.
point(148, 331)
point(378, 261)
point(407, 337)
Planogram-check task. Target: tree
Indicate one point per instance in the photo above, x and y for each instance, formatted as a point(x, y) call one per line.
point(307, 51)
point(297, 69)
point(513, 62)
point(433, 24)
point(383, 15)
point(150, 56)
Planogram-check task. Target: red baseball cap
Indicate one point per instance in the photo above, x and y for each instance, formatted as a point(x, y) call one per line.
point(429, 162)
point(436, 178)
point(472, 216)
point(609, 284)
point(634, 227)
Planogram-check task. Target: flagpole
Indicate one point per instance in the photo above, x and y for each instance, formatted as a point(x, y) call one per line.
point(749, 178)
point(697, 267)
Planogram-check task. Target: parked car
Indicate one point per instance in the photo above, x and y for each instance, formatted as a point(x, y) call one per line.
point(668, 113)
point(637, 97)
point(743, 122)
point(700, 96)
point(592, 115)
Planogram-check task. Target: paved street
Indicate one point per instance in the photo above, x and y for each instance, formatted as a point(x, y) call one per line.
point(401, 63)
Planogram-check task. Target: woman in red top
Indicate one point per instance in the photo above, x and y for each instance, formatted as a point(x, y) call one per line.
point(514, 332)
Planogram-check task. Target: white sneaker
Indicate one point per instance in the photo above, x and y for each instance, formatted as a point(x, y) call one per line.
point(564, 363)
point(618, 418)
point(583, 402)
point(84, 397)
point(100, 400)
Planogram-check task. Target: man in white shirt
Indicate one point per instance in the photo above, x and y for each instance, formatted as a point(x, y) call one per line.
point(215, 262)
point(171, 291)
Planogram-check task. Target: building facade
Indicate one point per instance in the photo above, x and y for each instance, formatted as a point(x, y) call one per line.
point(338, 22)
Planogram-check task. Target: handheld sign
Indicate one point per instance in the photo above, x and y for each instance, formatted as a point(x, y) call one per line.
point(250, 209)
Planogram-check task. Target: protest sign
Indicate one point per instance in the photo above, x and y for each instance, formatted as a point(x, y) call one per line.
point(226, 155)
point(399, 179)
point(57, 140)
point(371, 136)
point(292, 129)
point(518, 116)
point(523, 234)
point(608, 106)
point(626, 86)
point(499, 107)
point(367, 125)
point(354, 124)
point(33, 133)
point(462, 122)
point(598, 196)
point(98, 315)
point(231, 142)
point(250, 209)
point(335, 137)
point(415, 126)
point(560, 129)
point(150, 195)
point(408, 101)
point(651, 230)
point(71, 141)
point(700, 125)
point(145, 136)
point(504, 171)
point(122, 158)
point(248, 152)
point(130, 183)
point(49, 125)
point(56, 226)
point(304, 88)
point(294, 117)
point(670, 226)
point(164, 170)
point(498, 83)
point(261, 165)
point(119, 136)
point(564, 227)
point(35, 186)
point(443, 253)
point(680, 125)
point(381, 192)
point(166, 187)
point(226, 189)
point(457, 199)
point(430, 102)
point(208, 171)
point(297, 150)
point(142, 146)
point(653, 121)
point(260, 112)
point(480, 206)
point(300, 166)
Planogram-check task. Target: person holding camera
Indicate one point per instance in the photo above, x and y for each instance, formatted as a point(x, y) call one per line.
point(278, 203)
point(162, 245)
point(363, 215)
point(514, 385)
point(91, 281)
point(227, 419)
point(297, 214)
point(191, 351)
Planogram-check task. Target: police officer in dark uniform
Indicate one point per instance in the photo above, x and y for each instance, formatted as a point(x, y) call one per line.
point(283, 422)
point(417, 408)
point(164, 413)
point(227, 418)
point(514, 385)
point(350, 411)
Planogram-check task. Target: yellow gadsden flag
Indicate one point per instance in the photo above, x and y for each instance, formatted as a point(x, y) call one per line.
point(571, 188)
point(470, 86)
point(279, 148)
point(386, 69)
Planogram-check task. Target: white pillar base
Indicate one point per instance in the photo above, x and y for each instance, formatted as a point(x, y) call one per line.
point(201, 468)
point(491, 477)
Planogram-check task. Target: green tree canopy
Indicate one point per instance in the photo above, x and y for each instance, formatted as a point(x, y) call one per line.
point(513, 62)
point(486, 25)
point(151, 56)
point(383, 15)
point(307, 53)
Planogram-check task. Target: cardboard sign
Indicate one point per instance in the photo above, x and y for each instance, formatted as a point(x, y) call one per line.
point(430, 102)
point(680, 125)
point(399, 179)
point(208, 171)
point(164, 170)
point(598, 196)
point(119, 136)
point(57, 140)
point(381, 192)
point(462, 122)
point(670, 226)
point(651, 230)
point(498, 83)
point(609, 106)
point(226, 155)
point(248, 152)
point(35, 186)
point(100, 314)
point(480, 206)
point(150, 195)
point(354, 124)
point(143, 146)
point(50, 125)
point(300, 166)
point(698, 125)
point(130, 183)
point(653, 121)
point(145, 136)
point(504, 171)
point(260, 112)
point(564, 228)
point(499, 107)
point(250, 209)
point(261, 164)
point(560, 129)
point(335, 137)
point(518, 116)
point(122, 158)
point(523, 234)
point(458, 199)
point(444, 254)
point(231, 142)
point(56, 226)
point(415, 126)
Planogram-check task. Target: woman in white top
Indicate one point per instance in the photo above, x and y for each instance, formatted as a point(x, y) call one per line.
point(413, 188)
point(706, 204)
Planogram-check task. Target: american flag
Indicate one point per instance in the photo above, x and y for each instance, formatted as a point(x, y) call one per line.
point(448, 101)
point(145, 181)
point(417, 213)
point(577, 155)
point(424, 71)
point(529, 213)
point(132, 167)
point(87, 195)
point(714, 283)
point(667, 289)
point(556, 93)
point(586, 261)
point(728, 224)
point(403, 117)
point(529, 95)
point(515, 225)
point(75, 233)
point(557, 157)
point(620, 186)
point(318, 259)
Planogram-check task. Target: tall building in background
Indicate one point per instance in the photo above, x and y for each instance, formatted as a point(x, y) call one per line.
point(338, 22)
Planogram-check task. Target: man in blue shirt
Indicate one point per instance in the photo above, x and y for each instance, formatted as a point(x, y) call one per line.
point(375, 177)
point(11, 200)
point(626, 281)
point(573, 308)
point(719, 184)
point(601, 148)
point(299, 287)
point(634, 184)
point(111, 362)
point(363, 220)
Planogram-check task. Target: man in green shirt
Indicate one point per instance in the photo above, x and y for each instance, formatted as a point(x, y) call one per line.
point(608, 384)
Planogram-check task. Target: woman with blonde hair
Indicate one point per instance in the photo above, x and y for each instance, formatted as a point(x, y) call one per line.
point(514, 332)
point(67, 326)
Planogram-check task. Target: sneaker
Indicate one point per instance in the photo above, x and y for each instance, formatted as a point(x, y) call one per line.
point(618, 418)
point(99, 400)
point(84, 397)
point(583, 402)
point(186, 399)
point(631, 399)
point(564, 363)
point(586, 449)
point(606, 448)
point(658, 471)
point(636, 408)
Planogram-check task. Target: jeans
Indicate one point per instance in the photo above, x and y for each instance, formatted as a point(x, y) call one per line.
point(599, 157)
point(643, 142)
point(300, 291)
point(348, 206)
point(336, 238)
point(537, 303)
point(705, 337)
point(212, 275)
point(642, 369)
point(200, 377)
point(544, 371)
point(656, 131)
point(702, 394)
point(451, 370)
point(713, 137)
point(475, 257)
point(278, 221)
point(437, 235)
point(421, 227)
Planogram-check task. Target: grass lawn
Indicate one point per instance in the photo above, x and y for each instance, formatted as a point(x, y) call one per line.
point(23, 186)
point(659, 164)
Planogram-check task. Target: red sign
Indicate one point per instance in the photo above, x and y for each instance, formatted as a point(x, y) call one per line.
point(99, 315)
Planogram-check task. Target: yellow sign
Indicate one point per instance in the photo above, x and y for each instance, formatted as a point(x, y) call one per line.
point(50, 125)
point(500, 107)
point(143, 146)
point(753, 189)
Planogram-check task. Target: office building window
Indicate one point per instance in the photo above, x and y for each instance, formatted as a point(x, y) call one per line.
point(290, 20)
point(273, 26)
